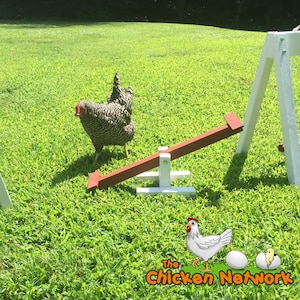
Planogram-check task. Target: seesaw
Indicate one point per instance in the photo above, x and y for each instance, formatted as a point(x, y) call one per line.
point(233, 126)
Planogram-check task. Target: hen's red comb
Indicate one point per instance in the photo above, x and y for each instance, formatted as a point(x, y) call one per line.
point(192, 219)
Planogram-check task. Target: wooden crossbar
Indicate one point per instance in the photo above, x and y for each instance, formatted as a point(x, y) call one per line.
point(233, 126)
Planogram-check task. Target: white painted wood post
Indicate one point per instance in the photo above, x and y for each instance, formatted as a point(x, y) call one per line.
point(278, 48)
point(5, 200)
point(257, 95)
point(287, 108)
point(164, 169)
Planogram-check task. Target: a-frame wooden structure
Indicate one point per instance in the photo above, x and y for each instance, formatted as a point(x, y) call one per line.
point(277, 50)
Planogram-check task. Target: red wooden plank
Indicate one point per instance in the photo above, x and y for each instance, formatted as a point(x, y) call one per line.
point(94, 180)
point(176, 151)
point(233, 121)
point(129, 171)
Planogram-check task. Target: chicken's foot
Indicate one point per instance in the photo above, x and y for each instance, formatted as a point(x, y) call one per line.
point(195, 262)
point(206, 268)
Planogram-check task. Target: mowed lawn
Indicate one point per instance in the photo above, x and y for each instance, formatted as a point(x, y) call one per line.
point(60, 242)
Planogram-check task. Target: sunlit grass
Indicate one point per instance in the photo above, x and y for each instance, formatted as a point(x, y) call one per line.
point(58, 241)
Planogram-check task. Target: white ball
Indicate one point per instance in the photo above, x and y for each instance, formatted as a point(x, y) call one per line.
point(236, 260)
point(262, 264)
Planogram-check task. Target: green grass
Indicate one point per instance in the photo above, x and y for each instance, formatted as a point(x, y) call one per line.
point(59, 242)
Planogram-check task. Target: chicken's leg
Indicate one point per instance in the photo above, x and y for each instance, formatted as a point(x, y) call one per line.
point(96, 158)
point(206, 268)
point(195, 262)
point(125, 150)
point(98, 149)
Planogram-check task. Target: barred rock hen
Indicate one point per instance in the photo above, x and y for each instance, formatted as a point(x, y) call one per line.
point(109, 123)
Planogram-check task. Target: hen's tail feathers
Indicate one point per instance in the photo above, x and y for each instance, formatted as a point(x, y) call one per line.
point(130, 90)
point(117, 79)
point(226, 237)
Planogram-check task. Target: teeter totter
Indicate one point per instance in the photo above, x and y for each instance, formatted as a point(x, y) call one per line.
point(233, 126)
point(279, 47)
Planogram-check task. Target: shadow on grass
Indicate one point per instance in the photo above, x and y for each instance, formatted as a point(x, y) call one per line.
point(120, 187)
point(211, 195)
point(83, 166)
point(232, 178)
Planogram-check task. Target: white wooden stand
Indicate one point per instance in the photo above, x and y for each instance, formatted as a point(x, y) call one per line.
point(278, 48)
point(164, 176)
point(4, 196)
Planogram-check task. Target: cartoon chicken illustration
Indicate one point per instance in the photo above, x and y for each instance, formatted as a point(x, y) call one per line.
point(204, 247)
point(269, 256)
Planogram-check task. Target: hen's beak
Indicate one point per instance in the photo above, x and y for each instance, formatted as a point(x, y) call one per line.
point(78, 112)
point(188, 227)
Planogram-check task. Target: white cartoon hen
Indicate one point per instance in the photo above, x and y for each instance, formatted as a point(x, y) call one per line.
point(204, 247)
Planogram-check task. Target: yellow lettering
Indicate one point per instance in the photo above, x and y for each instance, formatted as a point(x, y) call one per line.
point(237, 278)
point(277, 277)
point(185, 277)
point(197, 278)
point(286, 278)
point(169, 276)
point(149, 275)
point(175, 280)
point(161, 277)
point(257, 278)
point(269, 278)
point(225, 278)
point(208, 278)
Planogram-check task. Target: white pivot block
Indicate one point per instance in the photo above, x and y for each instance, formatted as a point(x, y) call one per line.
point(164, 169)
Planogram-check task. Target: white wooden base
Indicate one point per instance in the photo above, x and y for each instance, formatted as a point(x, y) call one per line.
point(151, 191)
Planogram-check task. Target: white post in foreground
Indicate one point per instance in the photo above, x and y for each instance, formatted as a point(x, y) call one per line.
point(278, 48)
point(4, 196)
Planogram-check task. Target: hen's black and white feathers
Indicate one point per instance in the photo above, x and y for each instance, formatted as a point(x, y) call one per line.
point(109, 123)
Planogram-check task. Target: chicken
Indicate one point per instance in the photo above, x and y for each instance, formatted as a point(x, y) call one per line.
point(108, 123)
point(269, 256)
point(204, 247)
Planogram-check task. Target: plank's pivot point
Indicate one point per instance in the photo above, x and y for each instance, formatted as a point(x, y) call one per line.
point(164, 177)
point(164, 169)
